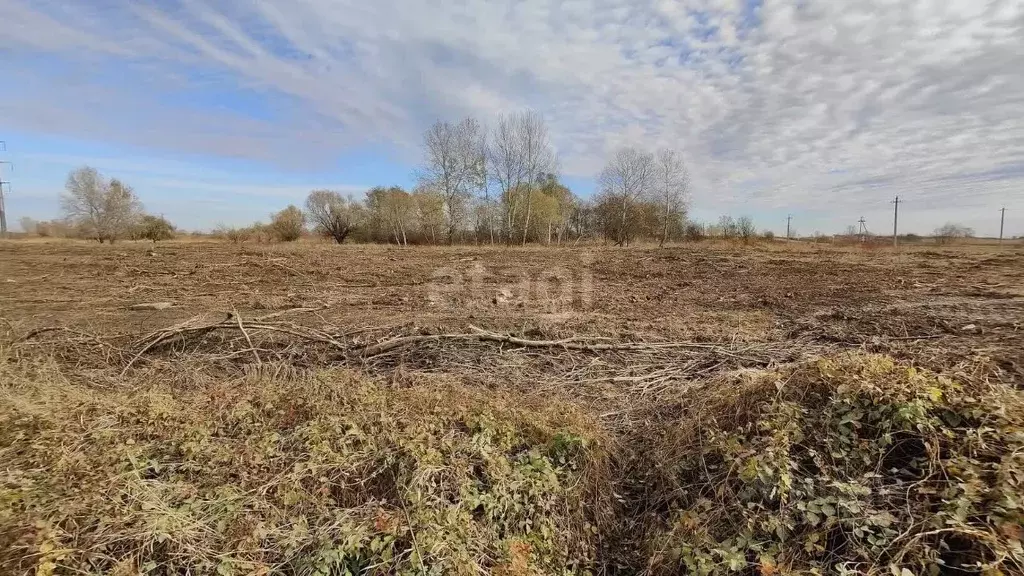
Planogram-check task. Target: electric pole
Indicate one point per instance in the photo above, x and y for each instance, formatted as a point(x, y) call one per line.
point(1002, 218)
point(3, 208)
point(895, 222)
point(863, 230)
point(788, 218)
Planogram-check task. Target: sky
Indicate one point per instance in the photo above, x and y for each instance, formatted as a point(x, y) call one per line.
point(222, 111)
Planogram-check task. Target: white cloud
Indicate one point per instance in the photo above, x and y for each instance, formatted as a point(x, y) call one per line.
point(828, 106)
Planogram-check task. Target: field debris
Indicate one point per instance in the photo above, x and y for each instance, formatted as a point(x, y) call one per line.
point(151, 306)
point(683, 412)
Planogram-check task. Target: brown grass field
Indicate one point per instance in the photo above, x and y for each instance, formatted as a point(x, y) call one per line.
point(594, 361)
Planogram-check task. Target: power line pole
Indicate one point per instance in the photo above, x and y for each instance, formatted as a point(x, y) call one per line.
point(1002, 218)
point(3, 208)
point(895, 222)
point(788, 218)
point(863, 230)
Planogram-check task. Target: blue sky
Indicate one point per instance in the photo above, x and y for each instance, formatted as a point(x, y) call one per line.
point(223, 111)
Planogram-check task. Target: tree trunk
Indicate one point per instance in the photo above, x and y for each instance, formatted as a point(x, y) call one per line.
point(621, 240)
point(529, 209)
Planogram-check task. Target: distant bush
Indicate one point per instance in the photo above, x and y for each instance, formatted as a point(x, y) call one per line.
point(745, 229)
point(288, 224)
point(47, 228)
point(694, 232)
point(153, 228)
point(256, 232)
point(951, 232)
point(768, 235)
point(728, 228)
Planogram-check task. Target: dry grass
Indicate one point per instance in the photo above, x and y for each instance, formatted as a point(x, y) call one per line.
point(307, 409)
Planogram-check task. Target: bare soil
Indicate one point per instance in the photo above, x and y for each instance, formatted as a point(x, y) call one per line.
point(762, 304)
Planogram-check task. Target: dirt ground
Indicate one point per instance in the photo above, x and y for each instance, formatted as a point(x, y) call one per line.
point(734, 306)
point(627, 348)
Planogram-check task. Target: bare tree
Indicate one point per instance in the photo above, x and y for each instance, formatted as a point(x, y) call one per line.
point(951, 232)
point(628, 178)
point(393, 208)
point(332, 215)
point(539, 158)
point(671, 190)
point(428, 204)
point(518, 153)
point(454, 167)
point(102, 209)
point(728, 227)
point(746, 229)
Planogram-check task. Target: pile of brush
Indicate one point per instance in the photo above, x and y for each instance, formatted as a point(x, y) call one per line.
point(849, 463)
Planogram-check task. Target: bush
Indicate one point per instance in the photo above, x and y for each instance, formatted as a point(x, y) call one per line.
point(694, 232)
point(153, 228)
point(232, 234)
point(287, 225)
point(745, 228)
point(329, 475)
point(951, 232)
point(855, 464)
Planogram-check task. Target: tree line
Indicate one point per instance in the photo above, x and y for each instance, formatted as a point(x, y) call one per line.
point(500, 186)
point(473, 185)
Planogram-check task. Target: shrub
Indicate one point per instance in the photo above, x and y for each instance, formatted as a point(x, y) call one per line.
point(694, 232)
point(745, 228)
point(855, 464)
point(233, 234)
point(153, 228)
point(951, 232)
point(287, 225)
point(328, 475)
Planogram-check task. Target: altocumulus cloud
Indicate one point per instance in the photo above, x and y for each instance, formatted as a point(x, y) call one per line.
point(826, 105)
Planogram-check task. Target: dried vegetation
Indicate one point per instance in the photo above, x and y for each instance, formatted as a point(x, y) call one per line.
point(712, 411)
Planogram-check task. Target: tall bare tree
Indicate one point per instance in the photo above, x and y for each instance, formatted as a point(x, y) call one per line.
point(101, 209)
point(428, 204)
point(518, 153)
point(629, 177)
point(671, 190)
point(393, 208)
point(332, 215)
point(453, 166)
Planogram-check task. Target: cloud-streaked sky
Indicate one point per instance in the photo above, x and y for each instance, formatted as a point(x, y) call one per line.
point(223, 110)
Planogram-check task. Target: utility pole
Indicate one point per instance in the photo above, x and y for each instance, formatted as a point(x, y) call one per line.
point(895, 222)
point(1002, 218)
point(788, 218)
point(863, 230)
point(3, 208)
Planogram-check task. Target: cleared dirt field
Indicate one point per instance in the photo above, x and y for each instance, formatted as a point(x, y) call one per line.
point(616, 345)
point(940, 304)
